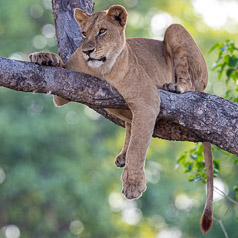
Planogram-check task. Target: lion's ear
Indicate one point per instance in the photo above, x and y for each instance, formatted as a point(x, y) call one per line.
point(117, 14)
point(81, 17)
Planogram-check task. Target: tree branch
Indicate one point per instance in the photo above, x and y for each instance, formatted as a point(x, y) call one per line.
point(203, 117)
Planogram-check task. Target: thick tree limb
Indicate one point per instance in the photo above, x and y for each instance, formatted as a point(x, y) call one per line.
point(193, 116)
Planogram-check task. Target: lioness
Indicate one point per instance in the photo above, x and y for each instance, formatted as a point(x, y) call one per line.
point(137, 67)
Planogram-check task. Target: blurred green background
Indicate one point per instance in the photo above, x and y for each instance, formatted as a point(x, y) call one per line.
point(57, 172)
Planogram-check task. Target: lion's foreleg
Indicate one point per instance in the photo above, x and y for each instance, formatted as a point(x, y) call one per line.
point(49, 59)
point(133, 176)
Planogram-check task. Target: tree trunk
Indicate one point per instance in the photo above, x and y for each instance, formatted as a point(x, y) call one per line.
point(68, 35)
point(203, 117)
point(67, 31)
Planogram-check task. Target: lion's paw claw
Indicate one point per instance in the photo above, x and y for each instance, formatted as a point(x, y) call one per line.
point(171, 87)
point(133, 183)
point(120, 160)
point(47, 59)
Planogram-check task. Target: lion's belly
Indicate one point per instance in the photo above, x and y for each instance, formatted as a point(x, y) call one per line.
point(124, 115)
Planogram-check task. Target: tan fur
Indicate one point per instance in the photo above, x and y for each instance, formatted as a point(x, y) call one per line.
point(137, 67)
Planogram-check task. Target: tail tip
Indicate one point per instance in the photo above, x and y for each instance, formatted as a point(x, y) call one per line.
point(206, 221)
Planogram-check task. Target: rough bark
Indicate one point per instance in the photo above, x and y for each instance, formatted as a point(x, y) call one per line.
point(203, 117)
point(67, 31)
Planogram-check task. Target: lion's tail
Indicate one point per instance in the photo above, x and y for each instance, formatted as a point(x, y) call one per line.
point(207, 216)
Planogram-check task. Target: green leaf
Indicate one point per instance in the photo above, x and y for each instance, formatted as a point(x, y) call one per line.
point(235, 160)
point(195, 179)
point(216, 164)
point(232, 47)
point(233, 61)
point(235, 188)
point(193, 156)
point(200, 150)
point(226, 59)
point(182, 158)
point(214, 47)
point(190, 166)
point(216, 66)
point(229, 72)
point(235, 100)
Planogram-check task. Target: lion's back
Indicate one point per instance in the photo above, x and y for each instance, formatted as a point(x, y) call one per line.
point(151, 56)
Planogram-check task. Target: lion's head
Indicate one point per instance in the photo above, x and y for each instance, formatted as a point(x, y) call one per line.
point(103, 35)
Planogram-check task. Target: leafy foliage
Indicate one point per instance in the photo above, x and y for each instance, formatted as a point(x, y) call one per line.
point(194, 164)
point(227, 64)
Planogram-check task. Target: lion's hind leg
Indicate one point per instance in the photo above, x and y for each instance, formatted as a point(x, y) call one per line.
point(182, 79)
point(126, 116)
point(190, 71)
point(120, 160)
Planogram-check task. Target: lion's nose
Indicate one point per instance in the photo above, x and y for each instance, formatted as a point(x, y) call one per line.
point(88, 52)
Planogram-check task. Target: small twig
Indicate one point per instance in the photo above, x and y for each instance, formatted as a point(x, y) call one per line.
point(219, 221)
point(226, 196)
point(225, 213)
point(223, 228)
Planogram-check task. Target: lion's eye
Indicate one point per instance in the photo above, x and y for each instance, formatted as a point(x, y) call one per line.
point(102, 31)
point(84, 34)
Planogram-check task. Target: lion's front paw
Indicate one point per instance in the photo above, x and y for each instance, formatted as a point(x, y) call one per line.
point(49, 59)
point(134, 183)
point(120, 160)
point(173, 88)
